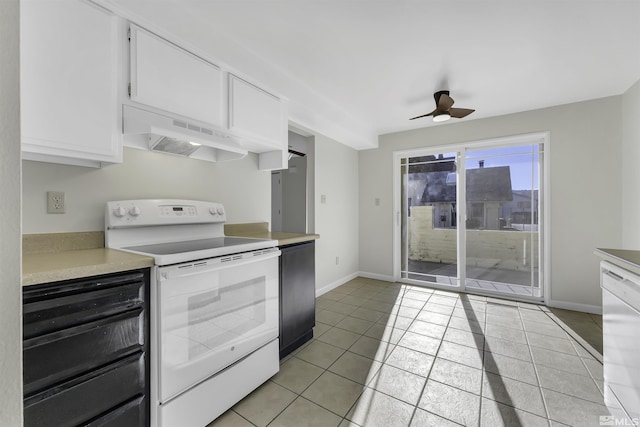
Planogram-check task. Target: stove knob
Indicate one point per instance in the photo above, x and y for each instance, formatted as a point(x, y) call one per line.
point(134, 211)
point(213, 211)
point(220, 210)
point(119, 212)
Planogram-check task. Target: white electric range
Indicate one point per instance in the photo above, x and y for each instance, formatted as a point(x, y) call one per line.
point(214, 305)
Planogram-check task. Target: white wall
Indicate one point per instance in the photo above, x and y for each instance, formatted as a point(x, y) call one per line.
point(294, 196)
point(238, 185)
point(586, 146)
point(10, 241)
point(631, 167)
point(336, 220)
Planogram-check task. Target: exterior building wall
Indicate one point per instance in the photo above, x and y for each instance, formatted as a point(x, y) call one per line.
point(485, 248)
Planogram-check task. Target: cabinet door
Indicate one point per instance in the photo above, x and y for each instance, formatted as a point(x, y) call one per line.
point(171, 79)
point(257, 116)
point(69, 82)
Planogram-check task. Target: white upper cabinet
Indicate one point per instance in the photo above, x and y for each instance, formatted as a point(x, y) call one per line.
point(170, 78)
point(70, 70)
point(256, 115)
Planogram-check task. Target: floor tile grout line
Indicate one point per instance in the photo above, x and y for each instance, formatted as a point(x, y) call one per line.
point(535, 370)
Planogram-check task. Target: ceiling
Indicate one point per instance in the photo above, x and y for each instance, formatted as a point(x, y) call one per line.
point(371, 65)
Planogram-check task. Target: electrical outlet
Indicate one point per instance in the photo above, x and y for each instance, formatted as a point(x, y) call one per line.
point(337, 260)
point(55, 202)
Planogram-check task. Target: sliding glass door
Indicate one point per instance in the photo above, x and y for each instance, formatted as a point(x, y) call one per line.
point(472, 217)
point(429, 219)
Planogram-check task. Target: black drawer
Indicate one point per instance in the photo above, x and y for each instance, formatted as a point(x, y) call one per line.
point(131, 414)
point(111, 395)
point(52, 358)
point(49, 308)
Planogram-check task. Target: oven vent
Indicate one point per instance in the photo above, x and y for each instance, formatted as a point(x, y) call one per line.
point(231, 258)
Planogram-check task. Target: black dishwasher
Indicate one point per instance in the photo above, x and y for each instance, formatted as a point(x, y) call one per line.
point(297, 295)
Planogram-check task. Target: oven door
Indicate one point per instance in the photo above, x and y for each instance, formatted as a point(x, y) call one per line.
point(211, 313)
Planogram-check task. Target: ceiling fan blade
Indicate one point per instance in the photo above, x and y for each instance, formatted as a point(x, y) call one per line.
point(459, 113)
point(424, 115)
point(444, 102)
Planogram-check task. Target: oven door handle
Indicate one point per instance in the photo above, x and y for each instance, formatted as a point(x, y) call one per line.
point(213, 265)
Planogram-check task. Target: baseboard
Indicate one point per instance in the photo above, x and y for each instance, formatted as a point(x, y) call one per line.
point(566, 305)
point(326, 288)
point(375, 276)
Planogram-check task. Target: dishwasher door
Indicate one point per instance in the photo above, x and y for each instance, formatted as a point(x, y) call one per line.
point(621, 340)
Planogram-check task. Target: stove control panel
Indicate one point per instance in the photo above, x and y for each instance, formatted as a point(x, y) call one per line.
point(147, 212)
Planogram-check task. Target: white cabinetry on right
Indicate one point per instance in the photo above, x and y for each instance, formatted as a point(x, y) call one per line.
point(260, 119)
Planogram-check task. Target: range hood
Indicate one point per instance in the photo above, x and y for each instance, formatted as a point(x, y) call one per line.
point(166, 134)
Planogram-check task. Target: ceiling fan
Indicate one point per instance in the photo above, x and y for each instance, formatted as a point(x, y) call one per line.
point(443, 109)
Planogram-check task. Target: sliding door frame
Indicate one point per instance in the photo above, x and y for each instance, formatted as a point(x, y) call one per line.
point(544, 249)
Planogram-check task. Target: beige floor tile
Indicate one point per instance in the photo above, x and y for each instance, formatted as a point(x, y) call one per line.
point(342, 308)
point(320, 354)
point(422, 418)
point(265, 403)
point(383, 307)
point(320, 329)
point(403, 311)
point(466, 338)
point(507, 348)
point(420, 343)
point(466, 324)
point(438, 308)
point(333, 296)
point(431, 317)
point(557, 360)
point(339, 337)
point(367, 314)
point(569, 383)
point(495, 414)
point(451, 403)
point(441, 299)
point(372, 348)
point(413, 303)
point(359, 326)
point(410, 360)
point(510, 367)
point(513, 393)
point(506, 322)
point(550, 343)
point(375, 409)
point(416, 295)
point(230, 419)
point(353, 300)
point(572, 410)
point(296, 375)
point(385, 333)
point(503, 310)
point(329, 317)
point(509, 334)
point(502, 301)
point(395, 321)
point(553, 330)
point(334, 393)
point(594, 367)
point(398, 383)
point(536, 316)
point(428, 329)
point(461, 354)
point(457, 375)
point(355, 367)
point(302, 413)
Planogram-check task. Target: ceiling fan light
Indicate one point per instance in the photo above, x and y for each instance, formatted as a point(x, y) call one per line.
point(442, 117)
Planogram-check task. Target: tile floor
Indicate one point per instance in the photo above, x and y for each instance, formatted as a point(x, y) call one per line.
point(387, 354)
